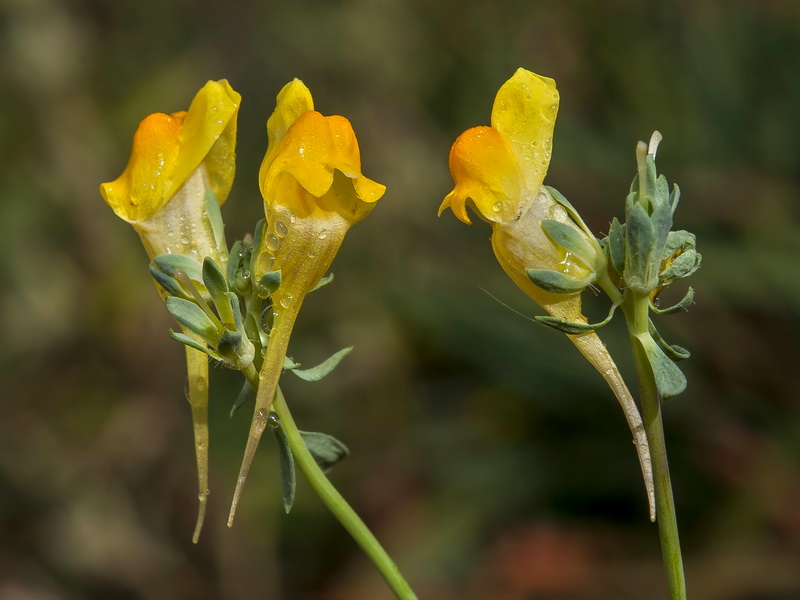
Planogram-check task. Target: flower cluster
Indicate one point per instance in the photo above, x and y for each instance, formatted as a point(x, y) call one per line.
point(240, 307)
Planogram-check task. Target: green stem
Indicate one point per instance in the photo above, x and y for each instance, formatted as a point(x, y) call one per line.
point(636, 308)
point(333, 499)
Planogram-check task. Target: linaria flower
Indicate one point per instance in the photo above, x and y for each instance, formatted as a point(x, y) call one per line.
point(499, 171)
point(180, 171)
point(313, 193)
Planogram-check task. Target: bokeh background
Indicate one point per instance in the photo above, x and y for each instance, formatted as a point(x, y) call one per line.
point(487, 456)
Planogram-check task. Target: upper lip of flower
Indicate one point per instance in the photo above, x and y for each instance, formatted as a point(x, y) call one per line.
point(498, 170)
point(168, 148)
point(311, 147)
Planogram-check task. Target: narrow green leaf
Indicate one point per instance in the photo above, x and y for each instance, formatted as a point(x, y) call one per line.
point(640, 273)
point(215, 218)
point(288, 476)
point(573, 328)
point(322, 282)
point(258, 238)
point(674, 197)
point(616, 245)
point(169, 263)
point(214, 281)
point(235, 259)
point(669, 379)
point(571, 239)
point(674, 352)
point(289, 364)
point(325, 367)
point(185, 339)
point(326, 449)
point(191, 316)
point(682, 305)
point(246, 394)
point(169, 283)
point(558, 283)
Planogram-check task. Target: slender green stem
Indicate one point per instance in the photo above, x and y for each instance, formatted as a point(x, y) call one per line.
point(636, 308)
point(333, 499)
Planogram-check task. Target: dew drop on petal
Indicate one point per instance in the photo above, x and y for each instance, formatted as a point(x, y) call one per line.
point(312, 254)
point(281, 229)
point(323, 234)
point(273, 243)
point(286, 302)
point(497, 206)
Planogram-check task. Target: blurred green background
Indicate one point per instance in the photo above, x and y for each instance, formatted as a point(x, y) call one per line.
point(492, 462)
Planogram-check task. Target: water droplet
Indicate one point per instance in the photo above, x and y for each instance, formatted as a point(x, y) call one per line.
point(261, 413)
point(170, 234)
point(312, 254)
point(203, 495)
point(286, 302)
point(497, 206)
point(185, 241)
point(292, 218)
point(535, 142)
point(245, 274)
point(302, 151)
point(322, 234)
point(544, 163)
point(273, 243)
point(281, 229)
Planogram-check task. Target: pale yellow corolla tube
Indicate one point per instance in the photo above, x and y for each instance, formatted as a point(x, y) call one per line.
point(498, 172)
point(180, 171)
point(313, 193)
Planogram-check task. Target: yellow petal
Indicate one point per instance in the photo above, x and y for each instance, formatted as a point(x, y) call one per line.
point(167, 149)
point(312, 150)
point(209, 137)
point(524, 112)
point(292, 101)
point(486, 176)
point(143, 188)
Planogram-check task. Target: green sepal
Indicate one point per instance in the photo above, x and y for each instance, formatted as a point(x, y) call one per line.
point(214, 280)
point(675, 352)
point(322, 282)
point(268, 283)
point(326, 449)
point(573, 328)
point(191, 316)
point(324, 368)
point(169, 283)
point(670, 380)
point(192, 343)
point(215, 218)
point(557, 282)
point(288, 476)
point(246, 394)
point(169, 263)
point(615, 244)
point(682, 305)
point(571, 240)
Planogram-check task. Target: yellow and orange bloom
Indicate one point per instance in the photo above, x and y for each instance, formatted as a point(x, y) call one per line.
point(180, 165)
point(180, 171)
point(313, 193)
point(499, 172)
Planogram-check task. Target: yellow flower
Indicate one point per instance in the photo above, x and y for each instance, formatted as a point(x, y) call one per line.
point(180, 171)
point(178, 163)
point(313, 193)
point(498, 171)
